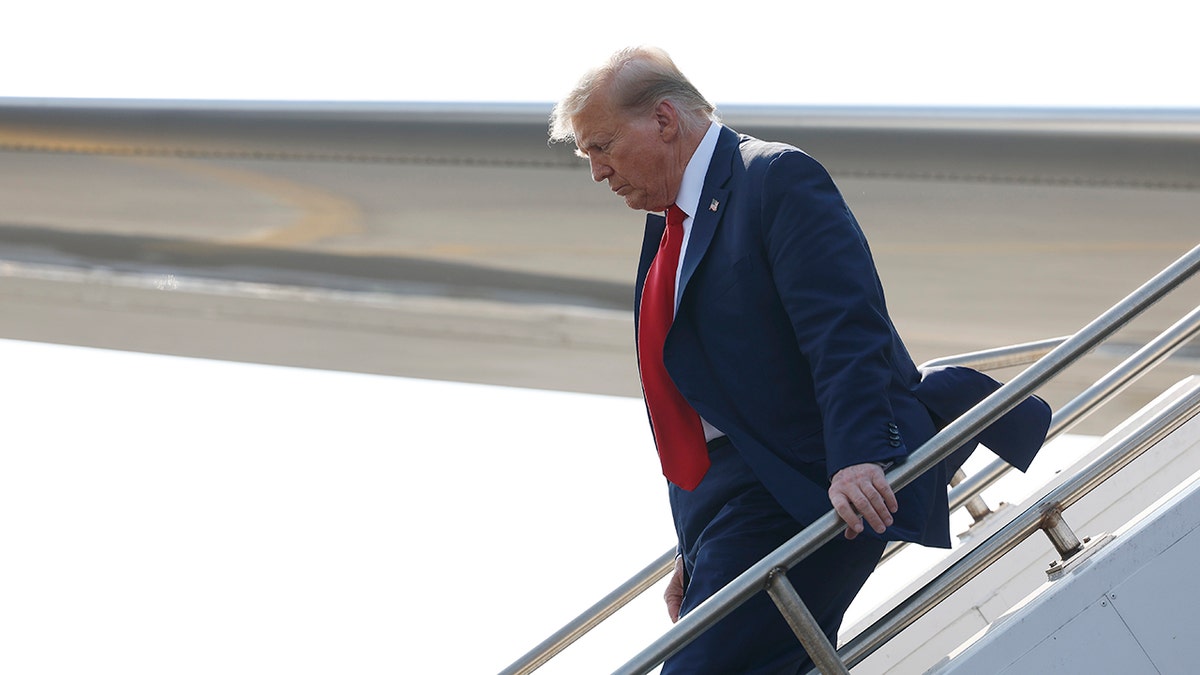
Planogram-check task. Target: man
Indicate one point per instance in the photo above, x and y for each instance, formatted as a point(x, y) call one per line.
point(775, 382)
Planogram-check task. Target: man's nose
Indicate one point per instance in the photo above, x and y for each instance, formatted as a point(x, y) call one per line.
point(600, 170)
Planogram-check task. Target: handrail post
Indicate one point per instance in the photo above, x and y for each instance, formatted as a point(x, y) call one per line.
point(976, 506)
point(1061, 535)
point(803, 624)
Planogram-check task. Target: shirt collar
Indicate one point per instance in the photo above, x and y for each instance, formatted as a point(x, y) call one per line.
point(688, 198)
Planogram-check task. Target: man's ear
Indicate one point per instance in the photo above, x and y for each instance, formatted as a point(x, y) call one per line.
point(667, 118)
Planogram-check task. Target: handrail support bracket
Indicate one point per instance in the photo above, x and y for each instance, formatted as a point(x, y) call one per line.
point(1060, 534)
point(976, 506)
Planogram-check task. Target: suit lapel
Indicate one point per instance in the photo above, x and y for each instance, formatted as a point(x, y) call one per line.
point(711, 207)
point(655, 224)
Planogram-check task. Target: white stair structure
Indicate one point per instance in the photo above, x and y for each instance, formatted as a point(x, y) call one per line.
point(973, 616)
point(1128, 608)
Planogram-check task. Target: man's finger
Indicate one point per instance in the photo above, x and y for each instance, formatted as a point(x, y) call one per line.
point(872, 509)
point(879, 500)
point(889, 497)
point(846, 512)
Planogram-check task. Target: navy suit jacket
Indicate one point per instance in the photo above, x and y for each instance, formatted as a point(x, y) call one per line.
point(782, 340)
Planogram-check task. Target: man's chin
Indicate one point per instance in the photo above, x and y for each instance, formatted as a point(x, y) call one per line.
point(640, 203)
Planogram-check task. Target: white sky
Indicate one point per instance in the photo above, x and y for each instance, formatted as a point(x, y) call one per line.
point(1020, 52)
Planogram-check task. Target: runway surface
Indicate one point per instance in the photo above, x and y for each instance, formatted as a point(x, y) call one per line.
point(452, 243)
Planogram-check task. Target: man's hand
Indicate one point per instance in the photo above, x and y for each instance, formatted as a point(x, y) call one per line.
point(674, 593)
point(860, 491)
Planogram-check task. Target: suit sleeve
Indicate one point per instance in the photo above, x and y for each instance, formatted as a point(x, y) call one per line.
point(827, 283)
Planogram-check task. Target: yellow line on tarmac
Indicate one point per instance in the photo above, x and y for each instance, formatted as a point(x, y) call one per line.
point(322, 214)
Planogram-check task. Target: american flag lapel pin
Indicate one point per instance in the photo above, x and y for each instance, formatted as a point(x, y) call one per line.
point(713, 206)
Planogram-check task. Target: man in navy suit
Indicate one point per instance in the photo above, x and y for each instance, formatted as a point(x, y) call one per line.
point(778, 385)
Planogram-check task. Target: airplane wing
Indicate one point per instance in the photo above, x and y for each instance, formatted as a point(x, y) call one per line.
point(450, 241)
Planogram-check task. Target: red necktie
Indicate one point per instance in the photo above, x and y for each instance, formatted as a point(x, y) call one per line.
point(677, 429)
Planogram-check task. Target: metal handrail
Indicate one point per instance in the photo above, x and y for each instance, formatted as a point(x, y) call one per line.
point(1114, 382)
point(1026, 523)
point(593, 616)
point(951, 437)
point(1000, 357)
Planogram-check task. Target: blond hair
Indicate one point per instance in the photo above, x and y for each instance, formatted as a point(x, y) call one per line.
point(638, 78)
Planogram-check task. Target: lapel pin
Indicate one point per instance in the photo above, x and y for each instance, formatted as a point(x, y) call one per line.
point(713, 206)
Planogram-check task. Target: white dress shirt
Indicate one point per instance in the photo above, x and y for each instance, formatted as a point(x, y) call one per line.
point(688, 200)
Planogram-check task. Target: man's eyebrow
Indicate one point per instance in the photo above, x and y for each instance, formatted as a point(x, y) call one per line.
point(582, 149)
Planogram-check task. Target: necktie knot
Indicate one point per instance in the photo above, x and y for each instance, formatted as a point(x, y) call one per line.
point(675, 216)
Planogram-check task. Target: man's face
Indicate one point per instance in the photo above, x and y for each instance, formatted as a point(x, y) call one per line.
point(633, 153)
